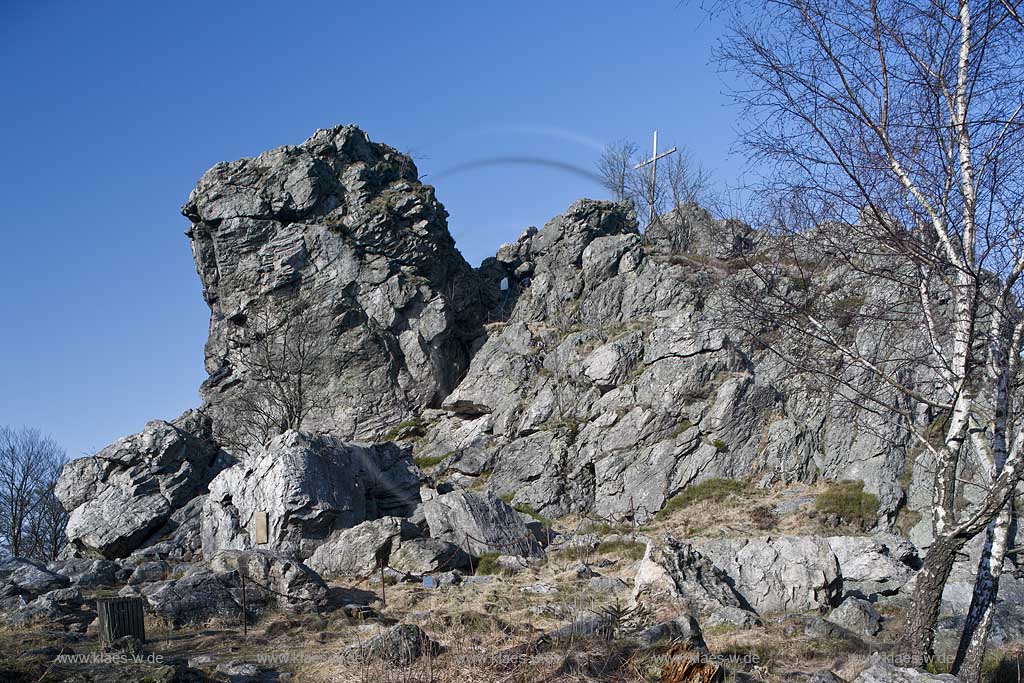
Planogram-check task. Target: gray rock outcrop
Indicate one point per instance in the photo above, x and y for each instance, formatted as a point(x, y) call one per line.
point(19, 575)
point(857, 616)
point(778, 574)
point(880, 671)
point(120, 497)
point(673, 570)
point(481, 522)
point(611, 381)
point(344, 224)
point(86, 573)
point(308, 486)
point(363, 549)
point(213, 589)
point(427, 555)
point(400, 645)
point(874, 565)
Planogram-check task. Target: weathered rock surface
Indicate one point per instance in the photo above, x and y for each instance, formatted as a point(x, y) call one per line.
point(881, 671)
point(62, 607)
point(19, 575)
point(309, 486)
point(121, 496)
point(857, 616)
point(426, 555)
point(213, 589)
point(481, 522)
point(777, 574)
point(363, 549)
point(345, 224)
point(673, 570)
point(86, 573)
point(874, 565)
point(400, 645)
point(612, 383)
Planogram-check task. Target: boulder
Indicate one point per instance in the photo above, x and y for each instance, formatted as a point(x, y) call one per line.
point(681, 629)
point(857, 616)
point(86, 573)
point(213, 589)
point(777, 574)
point(874, 565)
point(118, 498)
point(363, 549)
point(881, 671)
point(400, 645)
point(482, 522)
point(28, 577)
point(148, 572)
point(606, 584)
point(62, 607)
point(295, 583)
point(674, 570)
point(428, 555)
point(344, 224)
point(308, 486)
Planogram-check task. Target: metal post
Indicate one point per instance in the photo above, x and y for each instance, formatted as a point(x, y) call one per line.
point(468, 552)
point(245, 612)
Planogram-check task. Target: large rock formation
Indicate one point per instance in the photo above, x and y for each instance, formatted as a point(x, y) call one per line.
point(126, 493)
point(614, 381)
point(307, 486)
point(344, 224)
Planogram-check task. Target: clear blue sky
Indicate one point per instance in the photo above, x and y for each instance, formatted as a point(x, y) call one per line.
point(112, 111)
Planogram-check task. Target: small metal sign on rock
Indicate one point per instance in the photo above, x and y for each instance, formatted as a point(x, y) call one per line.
point(259, 531)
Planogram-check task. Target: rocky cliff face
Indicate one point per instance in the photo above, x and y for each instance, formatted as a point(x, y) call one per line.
point(343, 224)
point(616, 380)
point(584, 368)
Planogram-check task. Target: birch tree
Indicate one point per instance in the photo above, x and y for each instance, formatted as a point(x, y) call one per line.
point(892, 141)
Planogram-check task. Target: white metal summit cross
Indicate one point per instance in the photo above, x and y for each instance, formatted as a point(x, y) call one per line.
point(654, 174)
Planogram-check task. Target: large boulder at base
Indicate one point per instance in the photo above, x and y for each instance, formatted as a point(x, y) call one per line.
point(344, 224)
point(121, 496)
point(874, 565)
point(20, 575)
point(400, 645)
point(673, 570)
point(426, 555)
point(63, 607)
point(881, 671)
point(857, 616)
point(308, 486)
point(480, 521)
point(363, 548)
point(777, 574)
point(85, 572)
point(214, 589)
